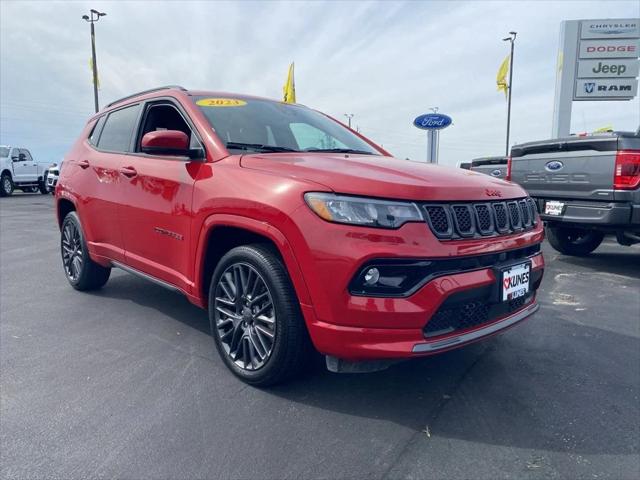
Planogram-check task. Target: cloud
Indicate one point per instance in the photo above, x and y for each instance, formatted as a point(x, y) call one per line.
point(386, 62)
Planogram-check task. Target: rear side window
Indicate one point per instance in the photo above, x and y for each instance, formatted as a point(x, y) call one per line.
point(118, 130)
point(97, 128)
point(4, 151)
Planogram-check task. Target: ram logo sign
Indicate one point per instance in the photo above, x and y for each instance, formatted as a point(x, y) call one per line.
point(606, 88)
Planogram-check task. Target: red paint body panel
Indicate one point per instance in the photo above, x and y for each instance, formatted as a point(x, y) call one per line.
point(157, 214)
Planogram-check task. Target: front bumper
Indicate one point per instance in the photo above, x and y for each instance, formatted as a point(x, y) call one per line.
point(52, 181)
point(369, 343)
point(594, 213)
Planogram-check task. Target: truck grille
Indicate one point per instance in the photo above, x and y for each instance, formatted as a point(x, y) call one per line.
point(466, 220)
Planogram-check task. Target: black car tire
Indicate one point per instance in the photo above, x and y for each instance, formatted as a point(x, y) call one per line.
point(42, 185)
point(574, 241)
point(84, 274)
point(291, 348)
point(6, 185)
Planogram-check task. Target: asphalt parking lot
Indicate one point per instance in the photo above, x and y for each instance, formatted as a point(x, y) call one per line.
point(125, 383)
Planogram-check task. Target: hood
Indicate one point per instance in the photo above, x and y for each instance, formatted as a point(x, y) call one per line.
point(384, 177)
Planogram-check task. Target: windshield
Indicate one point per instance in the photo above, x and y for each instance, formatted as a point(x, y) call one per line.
point(267, 126)
point(4, 151)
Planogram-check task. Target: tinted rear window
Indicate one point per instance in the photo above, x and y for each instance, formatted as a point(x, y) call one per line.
point(97, 128)
point(118, 129)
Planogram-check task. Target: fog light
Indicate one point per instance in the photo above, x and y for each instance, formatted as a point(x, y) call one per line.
point(371, 276)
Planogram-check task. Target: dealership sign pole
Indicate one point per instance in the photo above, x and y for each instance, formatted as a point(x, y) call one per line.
point(597, 60)
point(432, 123)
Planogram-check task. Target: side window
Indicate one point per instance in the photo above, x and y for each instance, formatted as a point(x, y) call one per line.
point(97, 128)
point(118, 129)
point(27, 155)
point(309, 137)
point(166, 117)
point(15, 153)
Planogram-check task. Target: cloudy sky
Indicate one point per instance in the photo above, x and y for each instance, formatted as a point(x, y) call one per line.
point(385, 62)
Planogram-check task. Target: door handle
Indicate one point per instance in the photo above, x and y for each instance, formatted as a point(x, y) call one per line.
point(129, 172)
point(83, 164)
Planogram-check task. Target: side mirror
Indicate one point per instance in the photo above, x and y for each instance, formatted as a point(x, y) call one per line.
point(20, 158)
point(166, 142)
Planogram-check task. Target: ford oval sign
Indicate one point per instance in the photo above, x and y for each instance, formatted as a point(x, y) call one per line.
point(432, 121)
point(496, 173)
point(554, 165)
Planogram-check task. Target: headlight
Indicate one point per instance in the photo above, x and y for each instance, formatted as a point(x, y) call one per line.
point(368, 212)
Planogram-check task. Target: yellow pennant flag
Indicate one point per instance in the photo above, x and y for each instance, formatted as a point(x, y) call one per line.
point(608, 128)
point(289, 88)
point(91, 68)
point(501, 78)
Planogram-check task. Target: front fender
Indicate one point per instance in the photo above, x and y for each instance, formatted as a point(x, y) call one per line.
point(258, 227)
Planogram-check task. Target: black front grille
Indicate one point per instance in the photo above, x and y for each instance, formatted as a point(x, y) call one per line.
point(438, 219)
point(464, 220)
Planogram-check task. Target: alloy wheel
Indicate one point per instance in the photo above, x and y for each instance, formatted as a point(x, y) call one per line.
point(244, 316)
point(72, 251)
point(6, 185)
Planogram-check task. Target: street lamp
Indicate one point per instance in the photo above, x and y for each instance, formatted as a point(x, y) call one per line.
point(95, 16)
point(512, 39)
point(349, 117)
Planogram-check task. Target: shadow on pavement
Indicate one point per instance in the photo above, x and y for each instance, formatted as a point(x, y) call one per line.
point(561, 391)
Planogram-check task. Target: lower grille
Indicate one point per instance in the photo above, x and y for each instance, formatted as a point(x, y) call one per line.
point(470, 309)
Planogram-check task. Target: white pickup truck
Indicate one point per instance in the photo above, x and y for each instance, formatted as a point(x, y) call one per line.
point(18, 169)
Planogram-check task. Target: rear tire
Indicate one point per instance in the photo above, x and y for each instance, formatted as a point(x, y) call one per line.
point(6, 185)
point(81, 272)
point(42, 186)
point(574, 241)
point(255, 317)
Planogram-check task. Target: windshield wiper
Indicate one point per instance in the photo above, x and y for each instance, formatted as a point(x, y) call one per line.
point(258, 146)
point(339, 150)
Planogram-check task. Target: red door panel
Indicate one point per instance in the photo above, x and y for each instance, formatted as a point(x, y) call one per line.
point(155, 216)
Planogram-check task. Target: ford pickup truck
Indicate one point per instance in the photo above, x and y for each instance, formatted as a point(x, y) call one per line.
point(584, 187)
point(494, 166)
point(18, 169)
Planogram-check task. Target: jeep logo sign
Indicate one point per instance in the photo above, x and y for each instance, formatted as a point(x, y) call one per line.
point(432, 121)
point(604, 68)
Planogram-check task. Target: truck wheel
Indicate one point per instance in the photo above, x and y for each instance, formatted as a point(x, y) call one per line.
point(42, 186)
point(574, 241)
point(6, 185)
point(81, 272)
point(255, 317)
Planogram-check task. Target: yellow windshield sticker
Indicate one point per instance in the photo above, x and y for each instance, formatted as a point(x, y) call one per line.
point(221, 102)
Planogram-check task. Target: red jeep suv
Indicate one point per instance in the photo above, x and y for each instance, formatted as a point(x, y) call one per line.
point(294, 232)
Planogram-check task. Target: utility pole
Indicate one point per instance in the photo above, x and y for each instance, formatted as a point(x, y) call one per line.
point(95, 16)
point(512, 39)
point(349, 117)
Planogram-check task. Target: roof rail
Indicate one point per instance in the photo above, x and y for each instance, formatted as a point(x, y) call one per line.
point(166, 87)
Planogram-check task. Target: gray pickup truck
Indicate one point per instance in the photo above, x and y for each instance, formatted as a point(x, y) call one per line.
point(585, 188)
point(494, 166)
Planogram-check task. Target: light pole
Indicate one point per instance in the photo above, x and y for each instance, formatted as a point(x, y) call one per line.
point(349, 117)
point(512, 39)
point(95, 16)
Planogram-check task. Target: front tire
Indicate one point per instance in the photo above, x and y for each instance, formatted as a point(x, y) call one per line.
point(81, 272)
point(6, 185)
point(255, 317)
point(574, 241)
